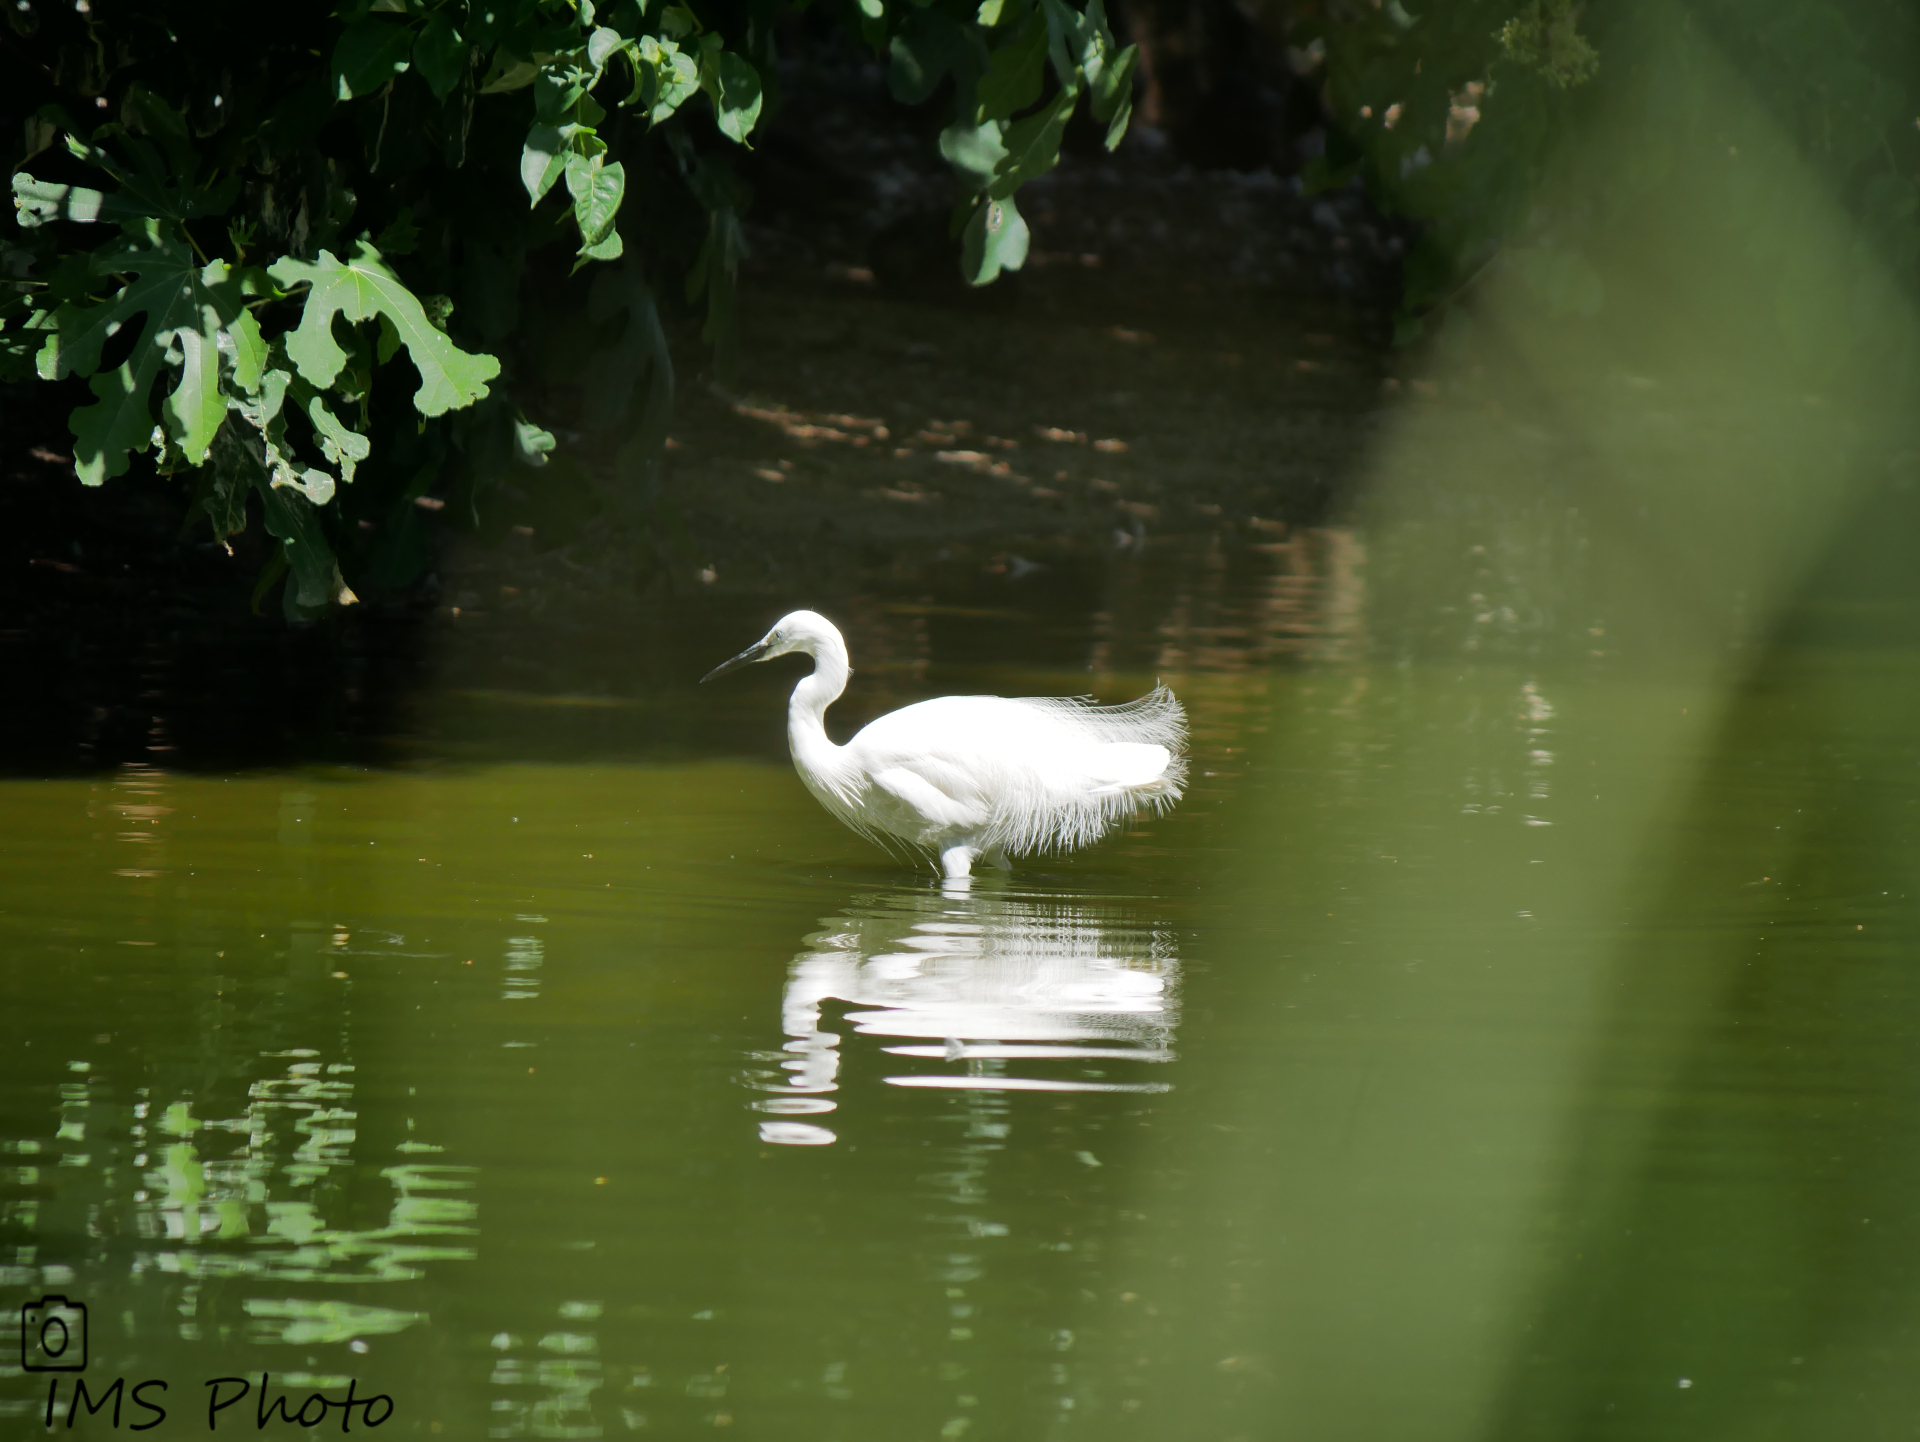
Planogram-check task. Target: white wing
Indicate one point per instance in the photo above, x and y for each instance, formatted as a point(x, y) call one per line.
point(927, 800)
point(1027, 774)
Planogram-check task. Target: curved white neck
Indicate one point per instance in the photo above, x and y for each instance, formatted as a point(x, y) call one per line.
point(806, 712)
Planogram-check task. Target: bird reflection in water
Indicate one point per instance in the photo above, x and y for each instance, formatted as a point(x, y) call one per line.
point(976, 983)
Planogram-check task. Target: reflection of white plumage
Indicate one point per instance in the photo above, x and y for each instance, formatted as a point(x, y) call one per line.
point(971, 777)
point(995, 991)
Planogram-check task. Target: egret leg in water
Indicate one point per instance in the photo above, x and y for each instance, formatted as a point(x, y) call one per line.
point(971, 778)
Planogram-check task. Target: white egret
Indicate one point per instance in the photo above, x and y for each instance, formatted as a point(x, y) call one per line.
point(975, 777)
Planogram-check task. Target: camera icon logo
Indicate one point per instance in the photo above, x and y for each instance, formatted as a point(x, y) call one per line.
point(53, 1335)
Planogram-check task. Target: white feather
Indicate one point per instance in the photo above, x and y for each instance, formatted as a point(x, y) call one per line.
point(965, 777)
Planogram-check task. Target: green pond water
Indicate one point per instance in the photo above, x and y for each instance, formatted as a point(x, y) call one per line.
point(1513, 1034)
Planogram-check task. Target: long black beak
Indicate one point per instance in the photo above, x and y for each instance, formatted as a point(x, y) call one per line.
point(756, 652)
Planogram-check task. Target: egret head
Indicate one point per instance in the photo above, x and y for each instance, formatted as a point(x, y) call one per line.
point(807, 631)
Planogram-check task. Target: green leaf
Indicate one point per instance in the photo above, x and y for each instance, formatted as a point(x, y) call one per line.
point(181, 305)
point(40, 202)
point(229, 481)
point(400, 237)
point(315, 484)
point(542, 161)
point(1097, 46)
point(263, 455)
point(596, 201)
point(388, 344)
point(344, 447)
point(556, 90)
point(580, 168)
point(508, 72)
point(147, 114)
point(608, 248)
point(160, 182)
point(192, 413)
point(1066, 40)
point(316, 579)
point(975, 150)
point(603, 45)
point(676, 76)
point(1113, 91)
point(1033, 146)
point(43, 127)
point(368, 55)
point(450, 378)
point(926, 48)
point(262, 409)
point(71, 279)
point(441, 55)
point(74, 335)
point(249, 351)
point(531, 444)
point(739, 101)
point(16, 356)
point(266, 413)
point(1014, 73)
point(995, 239)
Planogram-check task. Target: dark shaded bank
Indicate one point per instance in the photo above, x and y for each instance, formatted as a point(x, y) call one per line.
point(124, 641)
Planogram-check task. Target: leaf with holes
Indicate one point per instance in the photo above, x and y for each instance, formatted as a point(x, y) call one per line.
point(262, 409)
point(292, 520)
point(995, 239)
point(339, 443)
point(359, 290)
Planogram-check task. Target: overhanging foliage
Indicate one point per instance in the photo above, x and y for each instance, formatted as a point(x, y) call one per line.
point(297, 201)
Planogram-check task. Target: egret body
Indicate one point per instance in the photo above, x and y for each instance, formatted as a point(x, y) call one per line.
point(968, 778)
